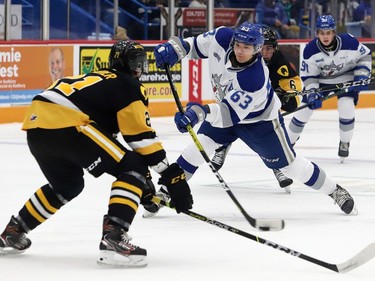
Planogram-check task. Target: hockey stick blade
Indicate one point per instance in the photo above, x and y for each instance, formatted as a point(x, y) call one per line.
point(361, 258)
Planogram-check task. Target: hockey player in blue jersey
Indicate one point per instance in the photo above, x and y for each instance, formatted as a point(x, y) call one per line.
point(330, 59)
point(285, 82)
point(247, 107)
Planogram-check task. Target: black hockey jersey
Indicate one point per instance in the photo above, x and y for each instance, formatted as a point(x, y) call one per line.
point(113, 100)
point(284, 77)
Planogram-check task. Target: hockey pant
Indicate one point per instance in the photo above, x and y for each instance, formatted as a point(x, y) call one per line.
point(62, 154)
point(346, 109)
point(269, 140)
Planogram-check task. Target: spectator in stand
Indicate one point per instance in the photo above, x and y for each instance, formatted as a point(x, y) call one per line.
point(135, 29)
point(363, 14)
point(221, 3)
point(273, 14)
point(292, 22)
point(182, 3)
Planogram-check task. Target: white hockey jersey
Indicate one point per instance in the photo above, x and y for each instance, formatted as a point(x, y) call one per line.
point(349, 59)
point(243, 94)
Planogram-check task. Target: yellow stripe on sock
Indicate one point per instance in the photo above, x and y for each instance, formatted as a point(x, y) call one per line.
point(124, 201)
point(34, 213)
point(45, 202)
point(128, 186)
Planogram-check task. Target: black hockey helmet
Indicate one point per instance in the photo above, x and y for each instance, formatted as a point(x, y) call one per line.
point(128, 56)
point(270, 36)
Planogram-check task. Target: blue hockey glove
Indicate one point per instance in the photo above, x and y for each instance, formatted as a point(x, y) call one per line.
point(194, 113)
point(314, 101)
point(171, 52)
point(359, 88)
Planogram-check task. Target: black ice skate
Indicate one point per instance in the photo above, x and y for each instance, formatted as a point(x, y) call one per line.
point(343, 150)
point(117, 251)
point(344, 200)
point(153, 208)
point(283, 180)
point(13, 240)
point(219, 157)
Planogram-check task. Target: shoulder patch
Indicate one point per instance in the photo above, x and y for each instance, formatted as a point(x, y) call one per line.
point(224, 37)
point(311, 49)
point(283, 71)
point(349, 42)
point(143, 92)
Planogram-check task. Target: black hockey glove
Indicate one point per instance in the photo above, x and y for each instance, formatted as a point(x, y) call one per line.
point(288, 99)
point(174, 179)
point(148, 190)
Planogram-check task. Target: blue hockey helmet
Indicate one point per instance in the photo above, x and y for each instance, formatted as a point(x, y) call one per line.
point(325, 22)
point(250, 34)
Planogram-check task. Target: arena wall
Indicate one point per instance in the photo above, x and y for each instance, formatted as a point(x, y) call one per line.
point(24, 72)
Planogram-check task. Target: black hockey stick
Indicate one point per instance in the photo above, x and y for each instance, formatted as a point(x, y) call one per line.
point(336, 87)
point(362, 257)
point(323, 98)
point(261, 224)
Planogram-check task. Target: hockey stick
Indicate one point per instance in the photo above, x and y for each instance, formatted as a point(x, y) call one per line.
point(362, 257)
point(323, 98)
point(261, 224)
point(340, 88)
point(336, 87)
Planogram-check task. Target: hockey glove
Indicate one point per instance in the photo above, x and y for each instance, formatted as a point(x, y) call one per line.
point(360, 88)
point(194, 113)
point(148, 190)
point(171, 52)
point(289, 99)
point(174, 179)
point(314, 101)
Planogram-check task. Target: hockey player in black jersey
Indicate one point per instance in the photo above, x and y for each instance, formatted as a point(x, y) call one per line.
point(285, 81)
point(70, 127)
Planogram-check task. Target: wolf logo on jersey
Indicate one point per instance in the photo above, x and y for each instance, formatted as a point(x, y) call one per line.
point(331, 69)
point(219, 89)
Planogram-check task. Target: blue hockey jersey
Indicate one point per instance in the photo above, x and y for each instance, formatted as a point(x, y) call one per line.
point(350, 58)
point(243, 94)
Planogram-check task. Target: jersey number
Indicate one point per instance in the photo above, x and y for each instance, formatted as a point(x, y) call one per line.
point(71, 85)
point(292, 84)
point(304, 67)
point(242, 99)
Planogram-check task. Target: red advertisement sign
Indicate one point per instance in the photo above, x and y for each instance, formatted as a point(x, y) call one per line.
point(195, 82)
point(227, 17)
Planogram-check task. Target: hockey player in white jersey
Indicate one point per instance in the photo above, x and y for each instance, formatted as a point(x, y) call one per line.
point(330, 59)
point(247, 107)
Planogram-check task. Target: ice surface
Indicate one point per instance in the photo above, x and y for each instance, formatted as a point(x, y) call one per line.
point(182, 248)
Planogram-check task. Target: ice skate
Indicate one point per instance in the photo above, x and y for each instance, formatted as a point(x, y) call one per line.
point(283, 180)
point(13, 240)
point(116, 249)
point(152, 209)
point(343, 150)
point(344, 200)
point(219, 157)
